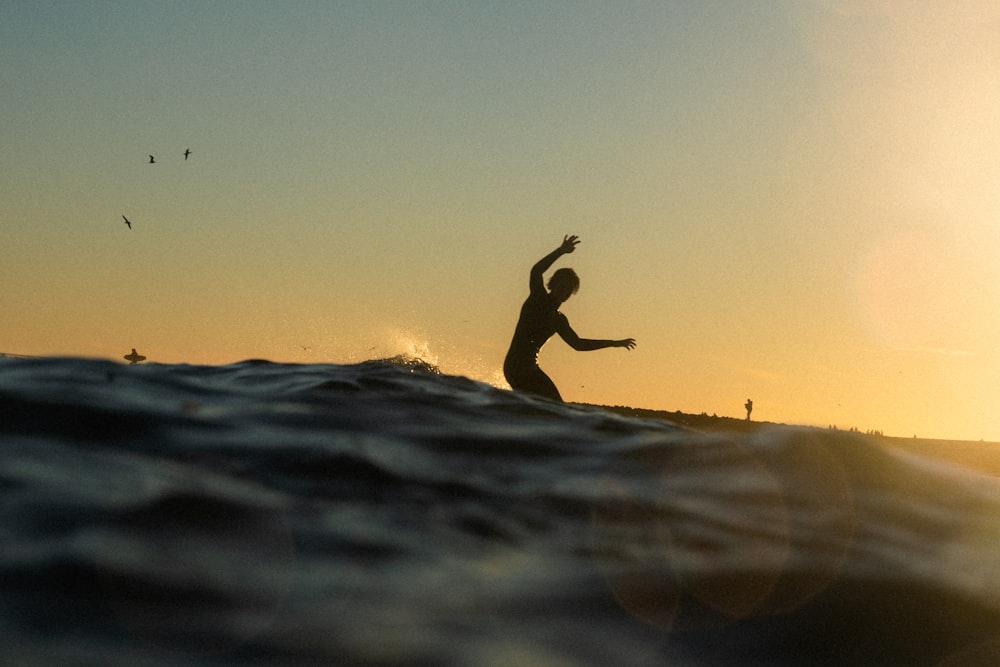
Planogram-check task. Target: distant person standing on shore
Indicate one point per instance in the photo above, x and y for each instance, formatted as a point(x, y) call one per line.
point(540, 318)
point(749, 407)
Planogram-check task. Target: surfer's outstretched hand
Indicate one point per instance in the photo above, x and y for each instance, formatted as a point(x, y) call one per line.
point(628, 343)
point(569, 244)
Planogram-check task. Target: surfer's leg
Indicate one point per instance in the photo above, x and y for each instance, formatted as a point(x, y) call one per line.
point(532, 380)
point(544, 386)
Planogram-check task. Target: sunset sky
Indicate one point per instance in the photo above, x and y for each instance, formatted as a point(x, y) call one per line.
point(794, 202)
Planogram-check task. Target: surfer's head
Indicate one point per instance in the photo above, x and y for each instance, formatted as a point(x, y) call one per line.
point(563, 284)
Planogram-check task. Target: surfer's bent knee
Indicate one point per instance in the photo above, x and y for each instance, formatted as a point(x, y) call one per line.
point(531, 379)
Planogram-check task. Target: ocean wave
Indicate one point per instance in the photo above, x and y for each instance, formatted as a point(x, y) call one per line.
point(386, 513)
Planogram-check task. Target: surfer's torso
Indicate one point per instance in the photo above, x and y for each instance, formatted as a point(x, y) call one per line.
point(539, 320)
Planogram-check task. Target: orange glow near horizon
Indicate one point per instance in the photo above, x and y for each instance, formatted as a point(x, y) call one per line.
point(788, 202)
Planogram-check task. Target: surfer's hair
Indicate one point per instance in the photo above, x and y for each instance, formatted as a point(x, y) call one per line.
point(566, 277)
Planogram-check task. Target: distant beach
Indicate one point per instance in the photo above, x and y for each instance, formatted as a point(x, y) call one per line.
point(980, 455)
point(702, 422)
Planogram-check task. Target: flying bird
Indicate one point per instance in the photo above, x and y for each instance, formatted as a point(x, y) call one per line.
point(127, 222)
point(152, 160)
point(187, 151)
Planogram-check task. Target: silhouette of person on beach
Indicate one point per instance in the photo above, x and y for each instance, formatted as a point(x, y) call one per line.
point(540, 318)
point(749, 407)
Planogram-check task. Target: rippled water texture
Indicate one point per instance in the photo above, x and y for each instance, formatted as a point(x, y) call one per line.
point(383, 513)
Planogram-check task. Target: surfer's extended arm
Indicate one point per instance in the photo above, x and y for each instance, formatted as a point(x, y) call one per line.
point(535, 281)
point(586, 344)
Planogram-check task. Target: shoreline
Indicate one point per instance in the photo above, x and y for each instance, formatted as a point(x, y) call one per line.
point(978, 455)
point(702, 422)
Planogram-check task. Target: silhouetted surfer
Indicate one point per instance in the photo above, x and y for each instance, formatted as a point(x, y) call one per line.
point(540, 318)
point(134, 358)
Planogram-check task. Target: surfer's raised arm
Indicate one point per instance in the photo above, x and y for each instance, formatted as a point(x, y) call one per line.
point(536, 282)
